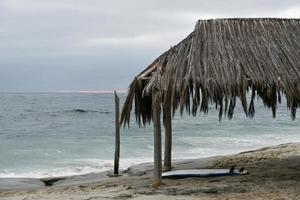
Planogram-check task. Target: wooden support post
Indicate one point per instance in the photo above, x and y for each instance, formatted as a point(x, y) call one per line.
point(168, 138)
point(117, 135)
point(156, 106)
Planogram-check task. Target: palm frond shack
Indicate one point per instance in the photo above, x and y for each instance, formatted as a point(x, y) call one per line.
point(218, 63)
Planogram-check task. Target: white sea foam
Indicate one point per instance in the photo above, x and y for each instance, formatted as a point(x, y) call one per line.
point(86, 166)
point(212, 146)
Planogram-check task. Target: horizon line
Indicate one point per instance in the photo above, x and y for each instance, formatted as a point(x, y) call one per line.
point(66, 91)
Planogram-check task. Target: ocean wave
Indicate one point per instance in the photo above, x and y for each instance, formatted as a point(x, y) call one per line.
point(29, 110)
point(84, 166)
point(259, 140)
point(79, 110)
point(76, 111)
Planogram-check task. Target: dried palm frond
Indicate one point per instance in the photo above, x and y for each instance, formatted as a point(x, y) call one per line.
point(220, 61)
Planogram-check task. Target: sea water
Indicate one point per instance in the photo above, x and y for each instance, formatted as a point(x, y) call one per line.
point(60, 134)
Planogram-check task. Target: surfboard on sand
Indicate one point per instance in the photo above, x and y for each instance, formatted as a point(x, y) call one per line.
point(202, 173)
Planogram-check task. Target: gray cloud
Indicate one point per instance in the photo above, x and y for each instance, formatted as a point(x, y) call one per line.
point(96, 44)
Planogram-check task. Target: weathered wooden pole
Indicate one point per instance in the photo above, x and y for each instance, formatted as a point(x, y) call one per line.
point(117, 135)
point(168, 138)
point(156, 106)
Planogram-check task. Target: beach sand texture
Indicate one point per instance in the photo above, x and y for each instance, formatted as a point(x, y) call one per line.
point(274, 173)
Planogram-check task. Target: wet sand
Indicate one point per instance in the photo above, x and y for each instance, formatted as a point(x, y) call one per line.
point(274, 173)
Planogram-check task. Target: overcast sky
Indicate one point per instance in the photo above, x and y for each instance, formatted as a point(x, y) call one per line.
point(75, 45)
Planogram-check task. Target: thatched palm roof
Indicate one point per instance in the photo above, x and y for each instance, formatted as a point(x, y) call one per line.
point(219, 62)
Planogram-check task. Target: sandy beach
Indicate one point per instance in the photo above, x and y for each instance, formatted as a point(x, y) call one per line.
point(274, 173)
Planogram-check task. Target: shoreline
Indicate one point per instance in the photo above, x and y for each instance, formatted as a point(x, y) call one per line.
point(23, 183)
point(274, 169)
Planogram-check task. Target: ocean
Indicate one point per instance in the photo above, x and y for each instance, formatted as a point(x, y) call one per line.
point(46, 135)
